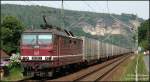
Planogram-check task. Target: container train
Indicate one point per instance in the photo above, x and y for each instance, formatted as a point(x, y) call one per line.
point(47, 51)
point(44, 52)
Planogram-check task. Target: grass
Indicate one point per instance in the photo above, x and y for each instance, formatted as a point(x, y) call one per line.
point(142, 66)
point(14, 75)
point(129, 74)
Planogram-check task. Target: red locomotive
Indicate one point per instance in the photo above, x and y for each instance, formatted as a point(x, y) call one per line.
point(44, 49)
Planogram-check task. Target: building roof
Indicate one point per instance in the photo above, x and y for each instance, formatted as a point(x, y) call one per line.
point(3, 54)
point(48, 30)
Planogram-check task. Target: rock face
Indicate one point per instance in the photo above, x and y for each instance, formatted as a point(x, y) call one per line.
point(101, 28)
point(135, 24)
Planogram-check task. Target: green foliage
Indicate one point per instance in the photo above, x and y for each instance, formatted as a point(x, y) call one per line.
point(144, 44)
point(15, 74)
point(15, 69)
point(11, 29)
point(15, 61)
point(78, 31)
point(144, 34)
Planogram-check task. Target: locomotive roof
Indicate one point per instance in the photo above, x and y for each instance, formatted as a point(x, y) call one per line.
point(53, 31)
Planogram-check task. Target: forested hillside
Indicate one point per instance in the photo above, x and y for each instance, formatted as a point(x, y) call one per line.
point(32, 15)
point(144, 35)
point(75, 21)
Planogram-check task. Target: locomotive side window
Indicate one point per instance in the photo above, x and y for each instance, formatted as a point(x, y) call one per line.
point(70, 41)
point(75, 42)
point(29, 39)
point(44, 39)
point(65, 41)
point(55, 39)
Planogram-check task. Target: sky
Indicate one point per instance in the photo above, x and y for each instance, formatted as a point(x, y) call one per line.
point(139, 8)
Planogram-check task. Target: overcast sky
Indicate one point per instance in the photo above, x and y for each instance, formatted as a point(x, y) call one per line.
point(141, 8)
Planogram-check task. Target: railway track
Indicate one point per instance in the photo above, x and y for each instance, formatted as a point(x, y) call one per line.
point(98, 74)
point(25, 79)
point(94, 73)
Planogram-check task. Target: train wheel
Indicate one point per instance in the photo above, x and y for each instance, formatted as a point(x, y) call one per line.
point(25, 73)
point(29, 73)
point(50, 74)
point(6, 71)
point(41, 74)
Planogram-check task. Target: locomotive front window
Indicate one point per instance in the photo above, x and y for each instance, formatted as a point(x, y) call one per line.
point(44, 39)
point(29, 39)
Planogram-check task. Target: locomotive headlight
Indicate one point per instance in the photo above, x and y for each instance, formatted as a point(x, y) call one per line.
point(47, 58)
point(25, 58)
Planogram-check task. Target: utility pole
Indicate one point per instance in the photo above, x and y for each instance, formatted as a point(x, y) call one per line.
point(137, 38)
point(148, 37)
point(62, 14)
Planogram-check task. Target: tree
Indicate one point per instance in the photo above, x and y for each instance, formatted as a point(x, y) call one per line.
point(11, 29)
point(143, 34)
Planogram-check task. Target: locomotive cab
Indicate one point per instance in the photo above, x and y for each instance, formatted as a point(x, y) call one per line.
point(48, 50)
point(37, 49)
point(36, 46)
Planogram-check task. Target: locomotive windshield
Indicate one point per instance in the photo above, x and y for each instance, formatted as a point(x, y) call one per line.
point(44, 39)
point(38, 38)
point(29, 39)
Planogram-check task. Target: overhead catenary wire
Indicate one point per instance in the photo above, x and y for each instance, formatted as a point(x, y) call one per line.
point(62, 24)
point(83, 16)
point(80, 18)
point(31, 3)
point(116, 19)
point(109, 34)
point(107, 37)
point(98, 6)
point(89, 5)
point(65, 4)
point(76, 23)
point(91, 9)
point(109, 14)
point(62, 12)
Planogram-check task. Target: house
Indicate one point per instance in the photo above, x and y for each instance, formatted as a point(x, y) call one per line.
point(3, 62)
point(4, 58)
point(3, 54)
